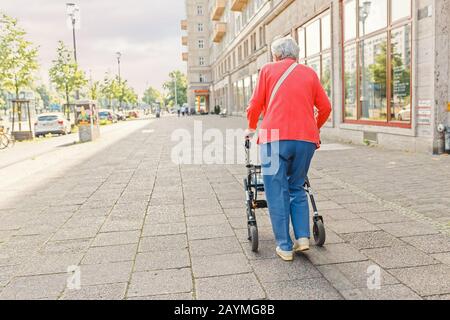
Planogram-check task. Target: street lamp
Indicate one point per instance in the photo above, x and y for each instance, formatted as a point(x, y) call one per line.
point(73, 14)
point(364, 12)
point(119, 56)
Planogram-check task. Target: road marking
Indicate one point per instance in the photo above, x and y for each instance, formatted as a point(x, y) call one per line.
point(148, 131)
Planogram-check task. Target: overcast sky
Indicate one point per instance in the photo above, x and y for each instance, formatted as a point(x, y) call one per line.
point(147, 32)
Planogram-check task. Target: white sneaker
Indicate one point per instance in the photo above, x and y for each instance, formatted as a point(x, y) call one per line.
point(301, 245)
point(285, 255)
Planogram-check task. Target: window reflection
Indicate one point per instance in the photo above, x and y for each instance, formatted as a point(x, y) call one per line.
point(326, 32)
point(372, 16)
point(350, 82)
point(301, 43)
point(373, 66)
point(313, 38)
point(401, 74)
point(326, 73)
point(377, 87)
point(315, 64)
point(401, 9)
point(350, 20)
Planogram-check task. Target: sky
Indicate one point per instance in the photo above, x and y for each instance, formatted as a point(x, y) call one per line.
point(146, 32)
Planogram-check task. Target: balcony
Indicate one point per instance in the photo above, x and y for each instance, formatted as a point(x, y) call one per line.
point(184, 56)
point(220, 29)
point(238, 5)
point(184, 25)
point(184, 40)
point(218, 10)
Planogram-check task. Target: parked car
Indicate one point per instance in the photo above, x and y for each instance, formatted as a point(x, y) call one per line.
point(107, 117)
point(404, 114)
point(51, 123)
point(133, 114)
point(120, 116)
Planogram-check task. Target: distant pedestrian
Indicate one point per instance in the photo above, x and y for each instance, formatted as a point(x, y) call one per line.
point(289, 138)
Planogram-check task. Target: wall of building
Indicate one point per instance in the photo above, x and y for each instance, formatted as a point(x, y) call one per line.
point(430, 61)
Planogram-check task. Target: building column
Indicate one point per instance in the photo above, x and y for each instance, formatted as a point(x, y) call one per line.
point(441, 71)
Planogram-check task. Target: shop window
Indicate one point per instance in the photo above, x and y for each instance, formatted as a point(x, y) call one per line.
point(314, 39)
point(350, 95)
point(350, 21)
point(373, 62)
point(401, 74)
point(373, 16)
point(377, 62)
point(401, 9)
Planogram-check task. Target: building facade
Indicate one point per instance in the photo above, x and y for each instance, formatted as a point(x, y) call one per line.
point(383, 63)
point(198, 57)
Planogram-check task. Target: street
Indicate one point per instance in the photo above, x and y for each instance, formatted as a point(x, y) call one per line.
point(118, 219)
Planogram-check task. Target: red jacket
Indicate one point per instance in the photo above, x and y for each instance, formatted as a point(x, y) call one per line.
point(292, 110)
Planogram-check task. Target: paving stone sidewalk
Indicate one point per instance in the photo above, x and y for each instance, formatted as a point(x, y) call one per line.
point(141, 227)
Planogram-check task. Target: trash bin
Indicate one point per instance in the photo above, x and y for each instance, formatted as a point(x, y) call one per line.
point(87, 121)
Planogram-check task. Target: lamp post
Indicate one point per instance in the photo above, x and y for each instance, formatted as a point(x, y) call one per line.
point(73, 13)
point(364, 12)
point(119, 56)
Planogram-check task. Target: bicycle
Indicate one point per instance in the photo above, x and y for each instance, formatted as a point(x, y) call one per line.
point(6, 139)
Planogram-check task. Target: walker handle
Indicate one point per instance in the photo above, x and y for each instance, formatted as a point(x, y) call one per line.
point(248, 143)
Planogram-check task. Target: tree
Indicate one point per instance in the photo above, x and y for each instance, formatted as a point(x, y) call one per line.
point(152, 96)
point(94, 90)
point(110, 89)
point(130, 97)
point(44, 94)
point(65, 74)
point(181, 84)
point(18, 57)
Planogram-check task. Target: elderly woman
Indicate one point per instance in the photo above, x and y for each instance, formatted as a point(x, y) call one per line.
point(287, 94)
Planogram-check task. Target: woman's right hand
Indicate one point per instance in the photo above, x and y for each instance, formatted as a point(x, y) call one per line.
point(249, 134)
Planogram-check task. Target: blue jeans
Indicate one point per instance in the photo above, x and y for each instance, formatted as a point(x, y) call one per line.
point(285, 168)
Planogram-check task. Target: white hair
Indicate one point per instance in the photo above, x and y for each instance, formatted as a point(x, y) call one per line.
point(284, 48)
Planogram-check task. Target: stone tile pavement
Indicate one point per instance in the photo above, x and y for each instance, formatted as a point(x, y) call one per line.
point(139, 226)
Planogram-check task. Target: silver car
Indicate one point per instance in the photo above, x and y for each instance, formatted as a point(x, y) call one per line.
point(51, 123)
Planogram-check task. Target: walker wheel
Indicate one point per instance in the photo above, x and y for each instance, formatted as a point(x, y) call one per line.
point(254, 238)
point(320, 234)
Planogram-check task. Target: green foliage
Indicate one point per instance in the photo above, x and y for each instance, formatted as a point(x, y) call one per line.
point(169, 86)
point(377, 70)
point(44, 94)
point(129, 96)
point(94, 90)
point(65, 73)
point(109, 89)
point(152, 96)
point(18, 57)
point(114, 90)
